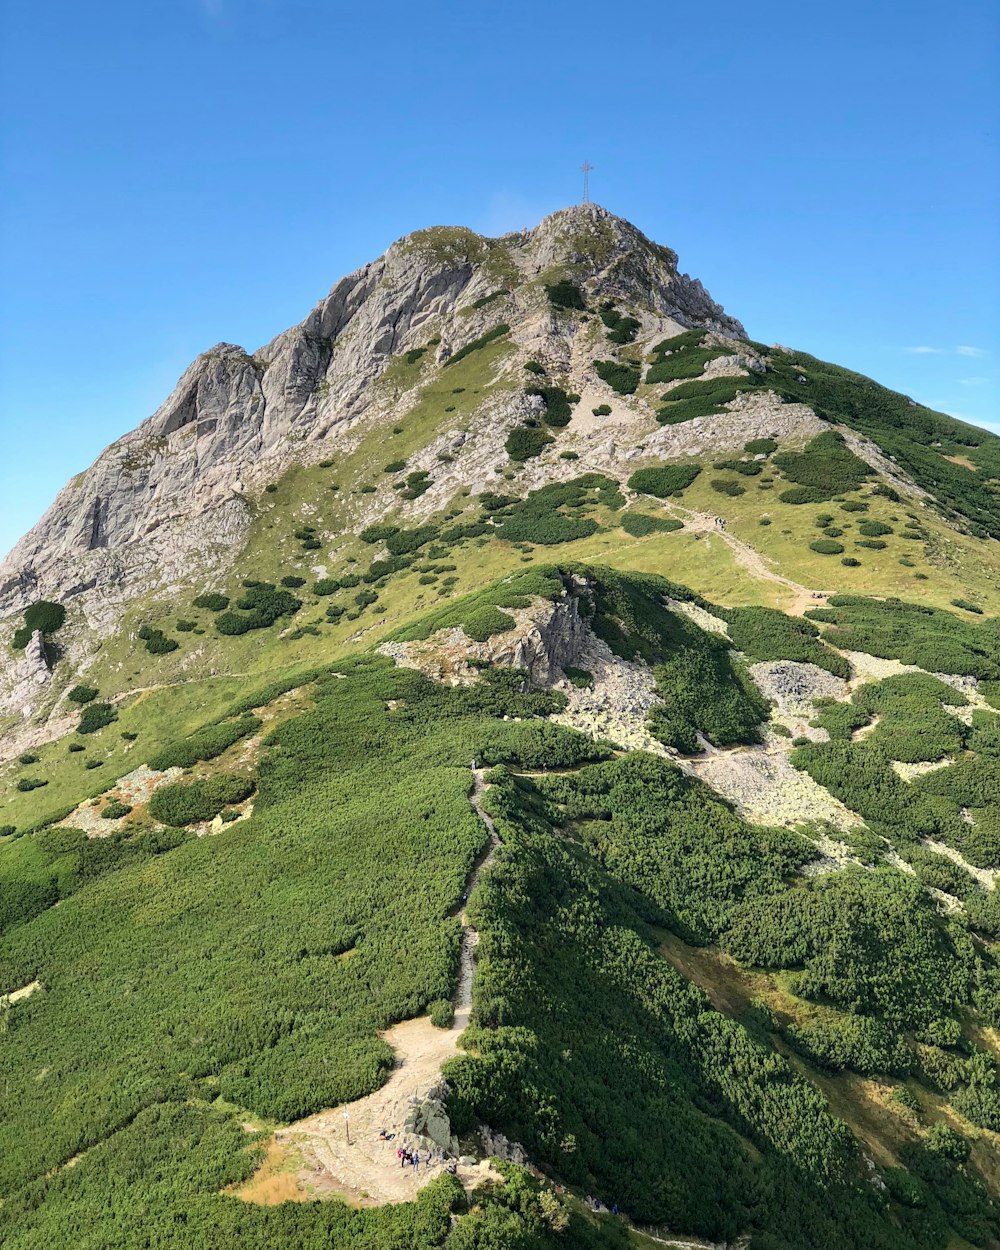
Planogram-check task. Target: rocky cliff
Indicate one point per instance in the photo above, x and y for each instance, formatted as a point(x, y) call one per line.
point(175, 492)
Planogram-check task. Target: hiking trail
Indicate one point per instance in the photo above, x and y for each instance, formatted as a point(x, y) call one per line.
point(312, 1158)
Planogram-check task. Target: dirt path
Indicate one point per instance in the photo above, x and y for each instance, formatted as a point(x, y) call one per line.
point(313, 1158)
point(750, 559)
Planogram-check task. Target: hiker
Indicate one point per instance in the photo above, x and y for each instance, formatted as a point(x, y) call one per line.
point(402, 1158)
point(427, 1162)
point(416, 1160)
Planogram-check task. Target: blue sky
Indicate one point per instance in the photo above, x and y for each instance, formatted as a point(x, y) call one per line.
point(180, 173)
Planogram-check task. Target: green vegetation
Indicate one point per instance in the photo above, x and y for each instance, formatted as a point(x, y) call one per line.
point(96, 716)
point(157, 643)
point(261, 606)
point(206, 744)
point(641, 524)
point(186, 804)
point(212, 601)
point(476, 345)
point(565, 294)
point(42, 616)
point(527, 441)
point(623, 378)
point(930, 638)
point(726, 486)
point(827, 466)
point(826, 546)
point(764, 634)
point(666, 480)
point(82, 694)
point(621, 329)
point(760, 446)
point(551, 514)
point(557, 407)
point(700, 399)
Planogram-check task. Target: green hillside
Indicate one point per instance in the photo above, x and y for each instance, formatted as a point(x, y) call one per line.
point(573, 755)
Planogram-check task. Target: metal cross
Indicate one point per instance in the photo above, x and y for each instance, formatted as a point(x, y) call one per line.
point(586, 167)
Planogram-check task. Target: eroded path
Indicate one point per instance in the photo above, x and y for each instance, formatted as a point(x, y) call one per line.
point(313, 1158)
point(750, 559)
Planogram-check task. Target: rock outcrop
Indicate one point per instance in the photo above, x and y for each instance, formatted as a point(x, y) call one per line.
point(174, 493)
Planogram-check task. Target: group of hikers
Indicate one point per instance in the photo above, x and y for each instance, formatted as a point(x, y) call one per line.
point(414, 1158)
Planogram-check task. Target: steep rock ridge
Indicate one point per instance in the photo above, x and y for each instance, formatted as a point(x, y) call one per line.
point(173, 492)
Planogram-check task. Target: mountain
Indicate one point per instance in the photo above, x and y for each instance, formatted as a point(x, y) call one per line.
point(515, 717)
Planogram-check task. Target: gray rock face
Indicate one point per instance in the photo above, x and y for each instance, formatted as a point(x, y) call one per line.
point(172, 491)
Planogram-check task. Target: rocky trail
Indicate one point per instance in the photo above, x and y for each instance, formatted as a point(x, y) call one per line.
point(341, 1151)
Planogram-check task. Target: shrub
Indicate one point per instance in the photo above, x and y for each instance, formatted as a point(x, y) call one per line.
point(115, 810)
point(157, 643)
point(557, 409)
point(292, 582)
point(484, 340)
point(668, 479)
point(565, 294)
point(854, 505)
point(873, 544)
point(621, 329)
point(96, 716)
point(568, 455)
point(967, 606)
point(416, 484)
point(28, 757)
point(760, 446)
point(620, 377)
point(442, 1013)
point(700, 399)
point(82, 694)
point(826, 547)
point(259, 608)
point(526, 441)
point(186, 627)
point(874, 529)
point(483, 622)
point(27, 784)
point(213, 601)
point(803, 494)
point(748, 468)
point(190, 803)
point(826, 464)
point(725, 487)
point(639, 524)
point(326, 586)
point(205, 744)
point(75, 747)
point(850, 562)
point(271, 488)
point(413, 355)
point(602, 410)
point(394, 466)
point(43, 616)
point(580, 677)
point(534, 367)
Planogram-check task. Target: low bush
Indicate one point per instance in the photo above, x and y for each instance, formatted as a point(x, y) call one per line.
point(850, 562)
point(726, 487)
point(854, 505)
point(484, 622)
point(534, 367)
point(639, 524)
point(565, 294)
point(668, 479)
point(803, 494)
point(326, 586)
point(700, 399)
point(873, 544)
point(484, 340)
point(292, 582)
point(394, 466)
point(29, 757)
point(557, 408)
point(827, 547)
point(157, 643)
point(413, 355)
point(205, 744)
point(526, 441)
point(82, 694)
point(44, 617)
point(213, 601)
point(115, 810)
point(442, 1013)
point(967, 606)
point(760, 446)
point(96, 716)
point(190, 803)
point(259, 608)
point(748, 468)
point(602, 410)
point(826, 465)
point(874, 529)
point(27, 784)
point(623, 378)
